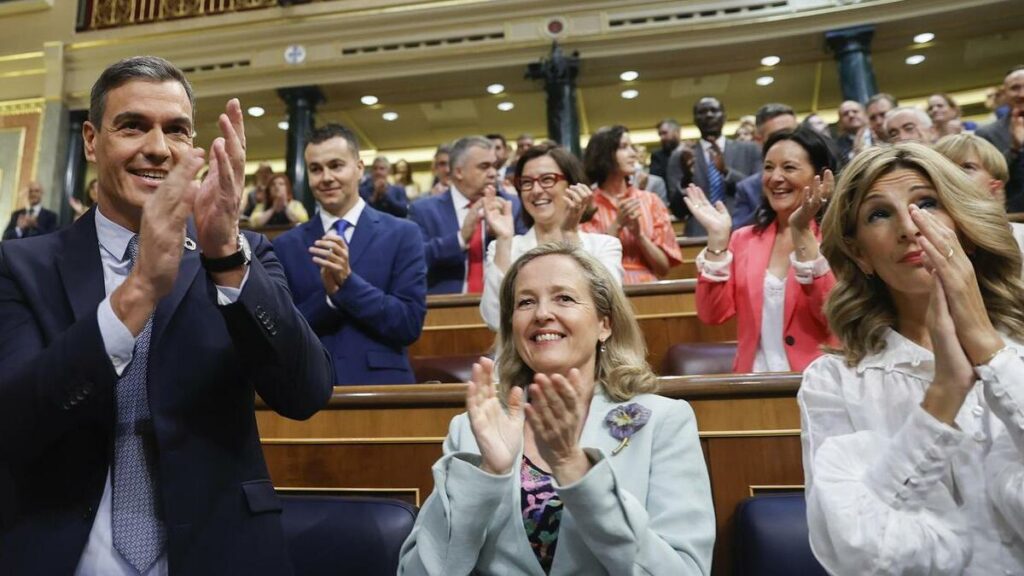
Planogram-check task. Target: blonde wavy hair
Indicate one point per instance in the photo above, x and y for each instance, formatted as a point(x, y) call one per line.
point(859, 307)
point(620, 367)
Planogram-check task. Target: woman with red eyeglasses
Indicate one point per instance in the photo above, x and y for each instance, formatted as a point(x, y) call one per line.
point(555, 201)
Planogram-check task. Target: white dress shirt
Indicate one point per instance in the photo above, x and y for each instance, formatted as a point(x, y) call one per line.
point(607, 249)
point(99, 557)
point(352, 217)
point(890, 489)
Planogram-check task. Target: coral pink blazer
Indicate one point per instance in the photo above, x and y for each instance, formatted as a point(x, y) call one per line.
point(805, 328)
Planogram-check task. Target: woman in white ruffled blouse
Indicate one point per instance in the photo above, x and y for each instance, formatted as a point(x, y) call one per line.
point(555, 200)
point(913, 432)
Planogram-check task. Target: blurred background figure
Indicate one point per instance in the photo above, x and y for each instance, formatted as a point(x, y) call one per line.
point(909, 124)
point(32, 219)
point(379, 192)
point(876, 109)
point(441, 169)
point(257, 194)
point(403, 177)
point(945, 115)
point(281, 207)
point(80, 207)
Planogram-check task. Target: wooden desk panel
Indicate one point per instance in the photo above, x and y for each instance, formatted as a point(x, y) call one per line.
point(384, 439)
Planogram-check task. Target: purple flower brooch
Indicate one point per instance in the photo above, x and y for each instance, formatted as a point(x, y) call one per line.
point(624, 421)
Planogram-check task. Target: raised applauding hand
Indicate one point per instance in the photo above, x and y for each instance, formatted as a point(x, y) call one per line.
point(498, 431)
point(578, 198)
point(556, 413)
point(714, 218)
point(961, 332)
point(219, 200)
point(815, 196)
point(628, 216)
point(498, 214)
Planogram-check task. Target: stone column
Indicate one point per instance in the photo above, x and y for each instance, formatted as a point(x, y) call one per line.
point(302, 102)
point(559, 76)
point(74, 165)
point(852, 49)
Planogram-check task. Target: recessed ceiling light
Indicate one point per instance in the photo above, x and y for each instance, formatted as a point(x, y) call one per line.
point(630, 94)
point(495, 88)
point(915, 59)
point(924, 38)
point(369, 100)
point(390, 116)
point(770, 60)
point(256, 111)
point(629, 75)
point(764, 80)
point(505, 106)
point(283, 124)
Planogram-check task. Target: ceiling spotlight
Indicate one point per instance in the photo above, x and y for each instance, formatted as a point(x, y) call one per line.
point(630, 94)
point(505, 106)
point(495, 88)
point(256, 111)
point(915, 59)
point(770, 61)
point(764, 80)
point(369, 100)
point(629, 75)
point(283, 124)
point(390, 116)
point(924, 38)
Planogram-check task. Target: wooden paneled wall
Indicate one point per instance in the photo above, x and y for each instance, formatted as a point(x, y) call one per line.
point(666, 311)
point(384, 439)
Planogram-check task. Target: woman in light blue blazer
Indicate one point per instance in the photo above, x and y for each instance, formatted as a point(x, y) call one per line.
point(569, 465)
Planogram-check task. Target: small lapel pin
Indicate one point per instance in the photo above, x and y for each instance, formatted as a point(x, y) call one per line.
point(190, 243)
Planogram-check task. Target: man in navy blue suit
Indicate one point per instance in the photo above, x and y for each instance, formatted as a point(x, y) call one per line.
point(451, 222)
point(381, 194)
point(32, 220)
point(133, 345)
point(362, 284)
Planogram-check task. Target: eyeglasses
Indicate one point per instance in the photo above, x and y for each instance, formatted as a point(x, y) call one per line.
point(546, 181)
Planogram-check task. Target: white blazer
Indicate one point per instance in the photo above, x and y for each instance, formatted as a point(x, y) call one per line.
point(645, 511)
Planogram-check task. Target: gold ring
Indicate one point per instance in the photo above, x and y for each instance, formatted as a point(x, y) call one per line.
point(950, 253)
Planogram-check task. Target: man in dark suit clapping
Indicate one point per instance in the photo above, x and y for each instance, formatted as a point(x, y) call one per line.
point(33, 219)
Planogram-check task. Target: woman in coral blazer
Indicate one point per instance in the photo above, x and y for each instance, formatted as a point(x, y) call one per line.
point(771, 275)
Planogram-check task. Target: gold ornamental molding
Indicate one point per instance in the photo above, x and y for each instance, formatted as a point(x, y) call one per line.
point(22, 107)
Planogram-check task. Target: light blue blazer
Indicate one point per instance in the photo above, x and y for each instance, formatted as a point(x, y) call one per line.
point(645, 511)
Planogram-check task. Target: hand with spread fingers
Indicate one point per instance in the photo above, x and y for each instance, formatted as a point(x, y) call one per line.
point(714, 218)
point(952, 266)
point(556, 413)
point(498, 429)
point(577, 200)
point(219, 200)
point(815, 196)
point(330, 253)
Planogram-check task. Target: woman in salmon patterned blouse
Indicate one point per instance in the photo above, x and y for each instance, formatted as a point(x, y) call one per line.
point(637, 217)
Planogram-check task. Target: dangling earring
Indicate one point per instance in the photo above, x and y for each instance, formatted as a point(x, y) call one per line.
point(602, 347)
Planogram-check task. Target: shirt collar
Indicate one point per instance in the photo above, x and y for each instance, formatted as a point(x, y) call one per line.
point(112, 236)
point(461, 202)
point(900, 354)
point(706, 145)
point(352, 216)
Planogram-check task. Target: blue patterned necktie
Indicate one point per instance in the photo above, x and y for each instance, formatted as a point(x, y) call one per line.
point(715, 180)
point(340, 226)
point(138, 530)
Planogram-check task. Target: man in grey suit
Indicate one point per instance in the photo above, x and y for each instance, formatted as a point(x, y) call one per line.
point(718, 164)
point(1007, 134)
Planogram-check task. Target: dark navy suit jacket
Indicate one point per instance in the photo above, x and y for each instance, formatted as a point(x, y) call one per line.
point(394, 202)
point(46, 222)
point(748, 200)
point(206, 365)
point(380, 308)
point(446, 260)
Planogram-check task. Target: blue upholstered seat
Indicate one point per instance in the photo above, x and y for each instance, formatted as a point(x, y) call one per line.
point(336, 535)
point(771, 537)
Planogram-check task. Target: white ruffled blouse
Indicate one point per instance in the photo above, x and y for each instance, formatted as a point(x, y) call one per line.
point(890, 489)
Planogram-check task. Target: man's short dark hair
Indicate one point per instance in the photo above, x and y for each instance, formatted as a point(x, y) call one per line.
point(771, 111)
point(332, 130)
point(498, 137)
point(145, 68)
point(882, 96)
point(442, 149)
point(672, 122)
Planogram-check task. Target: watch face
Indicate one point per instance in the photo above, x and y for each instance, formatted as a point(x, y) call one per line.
point(243, 245)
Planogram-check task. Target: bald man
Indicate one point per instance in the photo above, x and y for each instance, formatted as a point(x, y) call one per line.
point(33, 219)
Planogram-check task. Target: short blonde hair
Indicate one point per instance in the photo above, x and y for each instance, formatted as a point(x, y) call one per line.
point(859, 307)
point(621, 365)
point(957, 147)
